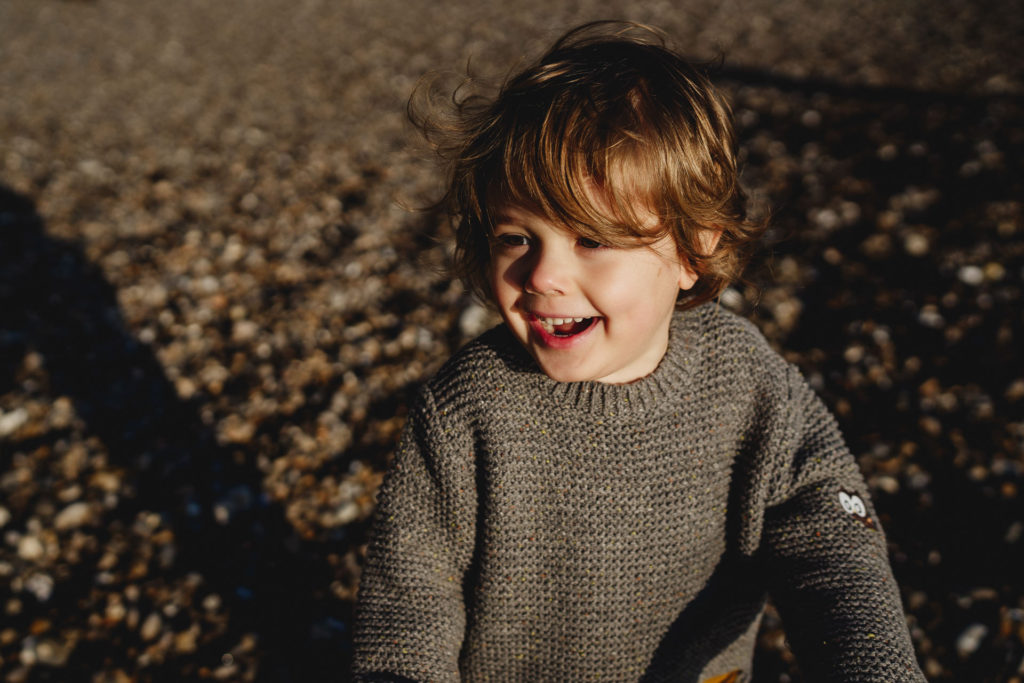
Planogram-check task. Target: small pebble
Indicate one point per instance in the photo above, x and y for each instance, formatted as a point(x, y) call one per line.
point(971, 275)
point(51, 653)
point(854, 354)
point(40, 585)
point(212, 602)
point(970, 640)
point(1014, 392)
point(732, 299)
point(73, 516)
point(810, 118)
point(887, 483)
point(186, 641)
point(994, 271)
point(916, 244)
point(244, 331)
point(12, 421)
point(27, 656)
point(930, 317)
point(473, 320)
point(826, 219)
point(225, 672)
point(151, 626)
point(787, 313)
point(30, 548)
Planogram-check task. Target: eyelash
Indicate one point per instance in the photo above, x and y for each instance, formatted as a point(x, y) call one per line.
point(513, 240)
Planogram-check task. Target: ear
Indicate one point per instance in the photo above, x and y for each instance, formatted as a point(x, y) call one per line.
point(709, 240)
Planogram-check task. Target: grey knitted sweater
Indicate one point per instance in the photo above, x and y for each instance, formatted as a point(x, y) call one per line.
point(531, 530)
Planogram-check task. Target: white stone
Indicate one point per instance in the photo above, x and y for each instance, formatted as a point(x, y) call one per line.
point(970, 640)
point(826, 219)
point(346, 514)
point(27, 656)
point(40, 585)
point(473, 320)
point(971, 275)
point(12, 421)
point(732, 299)
point(930, 317)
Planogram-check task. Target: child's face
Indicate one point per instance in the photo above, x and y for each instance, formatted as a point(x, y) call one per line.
point(584, 311)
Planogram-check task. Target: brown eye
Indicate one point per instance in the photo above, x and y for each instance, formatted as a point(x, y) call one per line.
point(588, 243)
point(510, 240)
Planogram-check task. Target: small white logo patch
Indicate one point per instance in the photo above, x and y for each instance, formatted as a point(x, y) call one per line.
point(853, 504)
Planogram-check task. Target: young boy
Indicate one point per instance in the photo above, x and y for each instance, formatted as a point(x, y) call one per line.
point(607, 486)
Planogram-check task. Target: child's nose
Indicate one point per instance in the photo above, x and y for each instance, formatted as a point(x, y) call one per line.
point(546, 273)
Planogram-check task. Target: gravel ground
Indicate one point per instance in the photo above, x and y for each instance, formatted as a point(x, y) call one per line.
point(214, 304)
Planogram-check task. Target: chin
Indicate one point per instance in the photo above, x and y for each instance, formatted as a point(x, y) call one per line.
point(565, 374)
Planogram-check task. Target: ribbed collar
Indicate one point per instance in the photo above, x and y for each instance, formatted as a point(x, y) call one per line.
point(645, 397)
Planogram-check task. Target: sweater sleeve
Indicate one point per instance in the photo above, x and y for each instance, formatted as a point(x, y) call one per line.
point(410, 616)
point(828, 566)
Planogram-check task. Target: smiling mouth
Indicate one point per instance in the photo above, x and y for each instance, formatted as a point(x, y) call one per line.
point(564, 327)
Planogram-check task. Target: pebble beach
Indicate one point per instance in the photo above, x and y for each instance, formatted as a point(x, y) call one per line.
point(219, 286)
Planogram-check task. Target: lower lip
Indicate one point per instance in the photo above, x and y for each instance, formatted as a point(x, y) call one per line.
point(556, 342)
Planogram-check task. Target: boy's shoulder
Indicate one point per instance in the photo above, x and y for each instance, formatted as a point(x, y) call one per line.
point(489, 358)
point(726, 335)
point(713, 317)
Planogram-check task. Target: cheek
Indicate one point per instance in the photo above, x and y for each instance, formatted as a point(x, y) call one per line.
point(494, 271)
point(499, 279)
point(638, 288)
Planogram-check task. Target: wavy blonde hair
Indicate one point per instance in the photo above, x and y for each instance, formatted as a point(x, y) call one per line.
point(610, 107)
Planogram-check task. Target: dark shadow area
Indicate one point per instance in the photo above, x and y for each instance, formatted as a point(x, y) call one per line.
point(224, 557)
point(729, 605)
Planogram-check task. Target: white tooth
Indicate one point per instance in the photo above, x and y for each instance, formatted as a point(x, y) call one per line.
point(556, 321)
point(577, 320)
